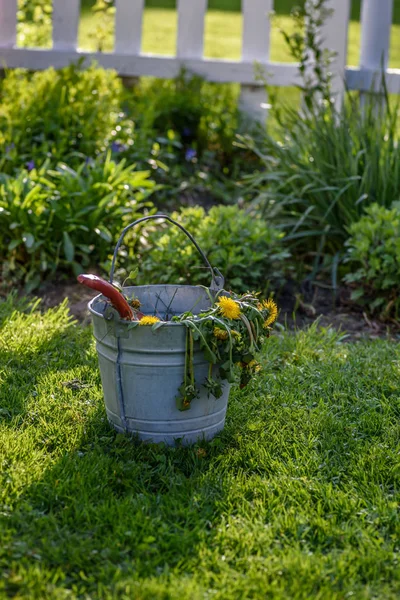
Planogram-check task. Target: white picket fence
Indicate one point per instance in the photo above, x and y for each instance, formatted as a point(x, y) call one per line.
point(129, 61)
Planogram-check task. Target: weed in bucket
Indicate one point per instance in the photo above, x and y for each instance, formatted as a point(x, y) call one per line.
point(164, 349)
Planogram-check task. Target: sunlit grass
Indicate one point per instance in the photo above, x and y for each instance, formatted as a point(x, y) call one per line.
point(223, 32)
point(297, 498)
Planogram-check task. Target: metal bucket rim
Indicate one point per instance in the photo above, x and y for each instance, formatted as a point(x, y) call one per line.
point(166, 285)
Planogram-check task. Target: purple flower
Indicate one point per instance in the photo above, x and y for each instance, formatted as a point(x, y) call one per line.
point(10, 147)
point(190, 154)
point(118, 147)
point(30, 165)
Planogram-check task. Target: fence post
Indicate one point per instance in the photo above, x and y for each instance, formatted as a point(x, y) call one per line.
point(190, 40)
point(334, 33)
point(255, 48)
point(8, 23)
point(128, 26)
point(376, 21)
point(65, 24)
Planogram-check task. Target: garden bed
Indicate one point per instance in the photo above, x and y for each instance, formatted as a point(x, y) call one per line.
point(298, 309)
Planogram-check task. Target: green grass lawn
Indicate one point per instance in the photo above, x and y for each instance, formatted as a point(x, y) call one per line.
point(298, 498)
point(223, 29)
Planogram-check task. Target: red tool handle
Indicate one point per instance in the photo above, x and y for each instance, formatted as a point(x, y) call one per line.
point(117, 299)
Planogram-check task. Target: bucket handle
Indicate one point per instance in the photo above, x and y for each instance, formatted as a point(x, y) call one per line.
point(217, 280)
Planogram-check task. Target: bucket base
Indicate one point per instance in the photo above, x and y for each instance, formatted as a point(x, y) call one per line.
point(191, 436)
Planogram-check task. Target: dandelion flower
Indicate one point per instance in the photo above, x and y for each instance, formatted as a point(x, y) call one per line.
point(272, 308)
point(229, 308)
point(135, 303)
point(148, 320)
point(220, 334)
point(254, 366)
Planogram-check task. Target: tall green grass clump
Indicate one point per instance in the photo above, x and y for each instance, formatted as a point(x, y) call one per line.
point(326, 168)
point(325, 164)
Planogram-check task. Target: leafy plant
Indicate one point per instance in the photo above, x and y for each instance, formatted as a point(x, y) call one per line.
point(65, 220)
point(374, 256)
point(185, 129)
point(34, 22)
point(325, 169)
point(229, 333)
point(323, 166)
point(246, 250)
point(105, 9)
point(59, 115)
point(305, 44)
point(203, 115)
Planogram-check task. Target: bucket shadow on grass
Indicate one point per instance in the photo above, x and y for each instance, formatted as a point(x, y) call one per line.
point(105, 502)
point(117, 506)
point(112, 509)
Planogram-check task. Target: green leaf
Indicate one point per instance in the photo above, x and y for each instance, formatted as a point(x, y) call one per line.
point(247, 358)
point(357, 294)
point(77, 268)
point(209, 355)
point(104, 233)
point(69, 250)
point(28, 240)
point(133, 274)
point(12, 245)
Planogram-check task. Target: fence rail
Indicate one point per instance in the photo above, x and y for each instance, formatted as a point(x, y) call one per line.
point(129, 61)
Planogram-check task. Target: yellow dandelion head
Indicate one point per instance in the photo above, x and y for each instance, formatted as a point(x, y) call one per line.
point(135, 303)
point(254, 365)
point(229, 308)
point(220, 334)
point(272, 309)
point(148, 320)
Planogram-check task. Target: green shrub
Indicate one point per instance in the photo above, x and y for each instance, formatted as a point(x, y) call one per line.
point(34, 22)
point(184, 130)
point(325, 168)
point(204, 116)
point(65, 220)
point(246, 250)
point(374, 255)
point(56, 114)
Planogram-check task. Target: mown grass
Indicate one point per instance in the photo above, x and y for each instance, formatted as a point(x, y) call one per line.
point(223, 30)
point(298, 498)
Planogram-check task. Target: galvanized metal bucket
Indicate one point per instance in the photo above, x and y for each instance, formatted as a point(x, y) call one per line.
point(142, 369)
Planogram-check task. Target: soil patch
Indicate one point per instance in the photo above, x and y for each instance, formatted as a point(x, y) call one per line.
point(78, 297)
point(299, 308)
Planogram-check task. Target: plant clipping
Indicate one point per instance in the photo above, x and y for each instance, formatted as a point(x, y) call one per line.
point(230, 333)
